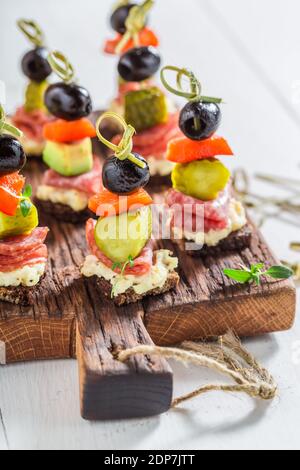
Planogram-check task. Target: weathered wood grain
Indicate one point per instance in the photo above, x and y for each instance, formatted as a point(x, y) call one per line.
point(205, 303)
point(47, 329)
point(109, 389)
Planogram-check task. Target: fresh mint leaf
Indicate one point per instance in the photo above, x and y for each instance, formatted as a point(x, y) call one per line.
point(280, 272)
point(25, 206)
point(255, 273)
point(240, 276)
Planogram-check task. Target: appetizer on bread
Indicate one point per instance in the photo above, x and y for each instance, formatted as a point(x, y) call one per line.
point(74, 174)
point(23, 254)
point(122, 259)
point(205, 212)
point(33, 115)
point(140, 101)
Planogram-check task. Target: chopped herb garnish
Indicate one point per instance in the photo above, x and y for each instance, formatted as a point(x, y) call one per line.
point(25, 206)
point(256, 272)
point(27, 193)
point(129, 262)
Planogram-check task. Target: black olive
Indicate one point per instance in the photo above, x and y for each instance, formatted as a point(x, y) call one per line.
point(139, 64)
point(35, 65)
point(207, 115)
point(68, 101)
point(12, 155)
point(119, 17)
point(124, 177)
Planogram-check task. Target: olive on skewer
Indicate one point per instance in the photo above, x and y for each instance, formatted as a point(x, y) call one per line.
point(12, 155)
point(201, 116)
point(125, 172)
point(119, 17)
point(35, 63)
point(66, 100)
point(139, 64)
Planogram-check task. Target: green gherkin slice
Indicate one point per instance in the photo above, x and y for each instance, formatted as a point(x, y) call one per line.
point(124, 236)
point(201, 179)
point(146, 108)
point(34, 96)
point(17, 224)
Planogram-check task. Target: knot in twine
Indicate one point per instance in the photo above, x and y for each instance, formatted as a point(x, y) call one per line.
point(61, 66)
point(227, 356)
point(124, 149)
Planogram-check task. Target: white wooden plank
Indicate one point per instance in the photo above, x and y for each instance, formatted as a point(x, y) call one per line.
point(266, 34)
point(3, 433)
point(39, 402)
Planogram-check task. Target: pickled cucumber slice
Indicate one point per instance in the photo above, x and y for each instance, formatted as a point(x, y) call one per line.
point(124, 236)
point(34, 96)
point(17, 224)
point(201, 179)
point(146, 108)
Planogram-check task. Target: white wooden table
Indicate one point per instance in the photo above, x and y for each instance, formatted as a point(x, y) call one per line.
point(248, 52)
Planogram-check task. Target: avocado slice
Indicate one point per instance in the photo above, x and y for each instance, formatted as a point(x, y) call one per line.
point(17, 224)
point(69, 159)
point(124, 236)
point(201, 179)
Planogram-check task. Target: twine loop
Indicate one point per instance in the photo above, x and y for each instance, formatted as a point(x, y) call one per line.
point(61, 66)
point(32, 31)
point(4, 126)
point(124, 149)
point(195, 93)
point(227, 356)
point(134, 24)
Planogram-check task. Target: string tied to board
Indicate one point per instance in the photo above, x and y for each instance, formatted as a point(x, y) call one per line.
point(227, 356)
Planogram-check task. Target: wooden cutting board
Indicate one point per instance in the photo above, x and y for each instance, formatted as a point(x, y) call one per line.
point(205, 304)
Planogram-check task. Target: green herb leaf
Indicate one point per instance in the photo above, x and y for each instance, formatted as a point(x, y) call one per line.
point(27, 191)
point(129, 262)
point(25, 206)
point(280, 272)
point(241, 276)
point(256, 268)
point(115, 266)
point(255, 273)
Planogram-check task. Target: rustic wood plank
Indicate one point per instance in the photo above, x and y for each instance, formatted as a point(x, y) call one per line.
point(47, 329)
point(207, 303)
point(109, 389)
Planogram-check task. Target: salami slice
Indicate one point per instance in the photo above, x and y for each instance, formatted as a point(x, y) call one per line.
point(142, 264)
point(14, 245)
point(154, 141)
point(216, 210)
point(31, 124)
point(90, 183)
point(25, 250)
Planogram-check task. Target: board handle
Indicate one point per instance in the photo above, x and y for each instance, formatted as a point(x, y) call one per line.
point(109, 389)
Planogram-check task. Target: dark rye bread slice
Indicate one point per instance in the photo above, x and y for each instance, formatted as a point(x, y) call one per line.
point(21, 295)
point(63, 212)
point(130, 296)
point(235, 242)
